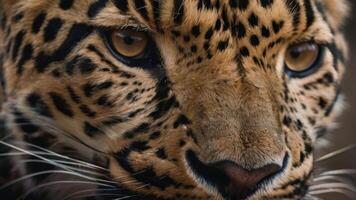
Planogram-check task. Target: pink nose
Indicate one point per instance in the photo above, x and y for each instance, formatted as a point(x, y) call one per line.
point(242, 181)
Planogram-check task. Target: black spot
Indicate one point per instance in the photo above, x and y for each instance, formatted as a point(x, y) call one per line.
point(86, 66)
point(322, 103)
point(205, 4)
point(104, 101)
point(209, 33)
point(137, 130)
point(218, 24)
point(225, 19)
point(163, 107)
point(243, 4)
point(233, 3)
point(244, 52)
point(90, 130)
point(61, 104)
point(181, 120)
point(266, 3)
point(309, 12)
point(196, 30)
point(178, 11)
point(38, 22)
point(139, 146)
point(265, 32)
point(253, 20)
point(156, 6)
point(155, 135)
point(52, 29)
point(87, 111)
point(96, 7)
point(17, 17)
point(140, 6)
point(88, 89)
point(36, 102)
point(105, 85)
point(73, 95)
point(122, 5)
point(294, 9)
point(25, 124)
point(161, 153)
point(25, 56)
point(277, 26)
point(69, 67)
point(18, 42)
point(287, 121)
point(222, 45)
point(194, 48)
point(254, 40)
point(241, 31)
point(65, 4)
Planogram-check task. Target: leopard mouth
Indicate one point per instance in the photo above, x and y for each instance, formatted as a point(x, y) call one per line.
point(214, 177)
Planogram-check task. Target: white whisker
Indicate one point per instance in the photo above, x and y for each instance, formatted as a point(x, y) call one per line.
point(58, 182)
point(332, 178)
point(333, 190)
point(332, 185)
point(336, 153)
point(71, 196)
point(121, 198)
point(61, 162)
point(53, 163)
point(41, 173)
point(339, 172)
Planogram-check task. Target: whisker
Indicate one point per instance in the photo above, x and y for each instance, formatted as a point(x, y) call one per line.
point(37, 174)
point(57, 182)
point(121, 198)
point(53, 163)
point(332, 185)
point(96, 195)
point(333, 190)
point(85, 191)
point(63, 156)
point(332, 178)
point(72, 168)
point(339, 172)
point(47, 125)
point(336, 153)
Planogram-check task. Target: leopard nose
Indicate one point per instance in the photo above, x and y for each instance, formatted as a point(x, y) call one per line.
point(241, 181)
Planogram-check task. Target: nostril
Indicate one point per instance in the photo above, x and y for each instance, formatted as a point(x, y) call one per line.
point(243, 181)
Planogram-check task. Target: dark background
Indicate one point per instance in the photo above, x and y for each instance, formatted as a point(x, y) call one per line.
point(346, 133)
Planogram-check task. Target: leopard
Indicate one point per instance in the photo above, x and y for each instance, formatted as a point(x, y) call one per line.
point(167, 99)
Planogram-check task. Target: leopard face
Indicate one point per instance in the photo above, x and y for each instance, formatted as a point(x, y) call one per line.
point(180, 99)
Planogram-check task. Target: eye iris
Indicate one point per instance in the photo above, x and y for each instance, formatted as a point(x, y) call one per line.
point(129, 43)
point(302, 56)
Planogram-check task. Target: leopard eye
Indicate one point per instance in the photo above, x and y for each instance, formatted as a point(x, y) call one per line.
point(129, 43)
point(302, 59)
point(133, 48)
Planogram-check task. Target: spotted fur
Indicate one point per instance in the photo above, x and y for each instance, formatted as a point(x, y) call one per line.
point(222, 94)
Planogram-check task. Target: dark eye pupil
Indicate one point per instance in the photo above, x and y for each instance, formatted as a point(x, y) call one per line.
point(295, 53)
point(128, 40)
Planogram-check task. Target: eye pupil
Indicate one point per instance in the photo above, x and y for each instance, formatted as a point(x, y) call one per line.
point(128, 40)
point(295, 53)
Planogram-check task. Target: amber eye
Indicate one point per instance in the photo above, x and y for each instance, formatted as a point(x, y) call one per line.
point(302, 59)
point(133, 48)
point(129, 43)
